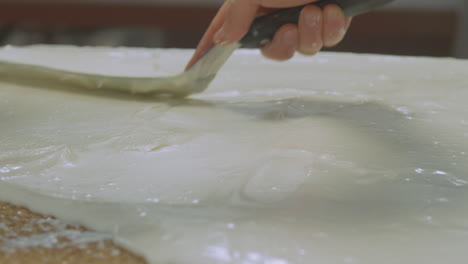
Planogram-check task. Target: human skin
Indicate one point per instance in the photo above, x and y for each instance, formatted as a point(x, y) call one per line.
point(317, 28)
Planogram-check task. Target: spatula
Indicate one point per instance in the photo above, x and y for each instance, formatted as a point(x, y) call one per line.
point(199, 76)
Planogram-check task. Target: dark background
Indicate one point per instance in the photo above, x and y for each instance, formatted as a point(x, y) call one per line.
point(402, 29)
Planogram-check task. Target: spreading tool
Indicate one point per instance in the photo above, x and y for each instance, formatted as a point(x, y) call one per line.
point(199, 76)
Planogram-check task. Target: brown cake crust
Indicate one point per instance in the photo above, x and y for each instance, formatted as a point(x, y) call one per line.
point(82, 245)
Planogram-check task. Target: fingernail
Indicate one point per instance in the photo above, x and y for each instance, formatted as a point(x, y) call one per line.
point(289, 37)
point(341, 32)
point(314, 48)
point(220, 38)
point(223, 43)
point(337, 36)
point(348, 23)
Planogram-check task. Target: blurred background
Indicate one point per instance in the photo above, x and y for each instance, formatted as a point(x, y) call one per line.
point(406, 27)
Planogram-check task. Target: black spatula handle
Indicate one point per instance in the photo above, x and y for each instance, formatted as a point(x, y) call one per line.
point(264, 28)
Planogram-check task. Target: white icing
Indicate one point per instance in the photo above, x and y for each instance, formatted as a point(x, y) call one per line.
point(337, 158)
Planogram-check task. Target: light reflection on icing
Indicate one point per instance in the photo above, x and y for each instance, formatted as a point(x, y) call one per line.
point(223, 255)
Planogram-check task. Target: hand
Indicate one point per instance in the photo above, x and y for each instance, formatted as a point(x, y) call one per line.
point(316, 28)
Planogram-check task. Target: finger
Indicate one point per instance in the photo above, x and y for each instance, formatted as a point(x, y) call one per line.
point(238, 19)
point(334, 25)
point(310, 30)
point(206, 42)
point(284, 43)
point(241, 14)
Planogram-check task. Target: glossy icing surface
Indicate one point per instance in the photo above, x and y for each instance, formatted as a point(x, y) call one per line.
point(338, 158)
